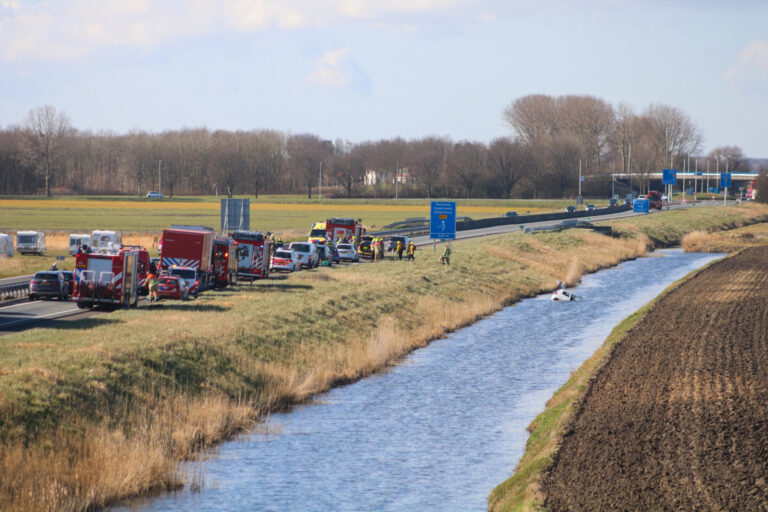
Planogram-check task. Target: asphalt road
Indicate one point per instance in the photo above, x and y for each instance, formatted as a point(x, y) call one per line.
point(18, 315)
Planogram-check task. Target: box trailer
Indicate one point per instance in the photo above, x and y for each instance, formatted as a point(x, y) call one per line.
point(78, 240)
point(189, 248)
point(6, 245)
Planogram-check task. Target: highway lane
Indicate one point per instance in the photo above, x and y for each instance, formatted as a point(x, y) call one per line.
point(24, 314)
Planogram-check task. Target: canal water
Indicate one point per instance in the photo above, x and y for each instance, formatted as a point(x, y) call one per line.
point(439, 431)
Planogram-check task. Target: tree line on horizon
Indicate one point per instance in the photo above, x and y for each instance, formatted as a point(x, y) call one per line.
point(555, 139)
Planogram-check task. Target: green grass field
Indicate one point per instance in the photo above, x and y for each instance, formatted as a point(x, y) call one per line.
point(279, 214)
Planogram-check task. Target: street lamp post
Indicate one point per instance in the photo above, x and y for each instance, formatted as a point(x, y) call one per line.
point(320, 183)
point(159, 177)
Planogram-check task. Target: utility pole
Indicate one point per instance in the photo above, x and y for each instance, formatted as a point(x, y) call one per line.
point(320, 183)
point(397, 174)
point(579, 201)
point(159, 178)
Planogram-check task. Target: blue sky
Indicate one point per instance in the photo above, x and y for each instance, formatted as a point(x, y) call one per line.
point(362, 70)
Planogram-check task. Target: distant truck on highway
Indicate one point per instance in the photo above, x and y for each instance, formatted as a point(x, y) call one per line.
point(654, 199)
point(30, 242)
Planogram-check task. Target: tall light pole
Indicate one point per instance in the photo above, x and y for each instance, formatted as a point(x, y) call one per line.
point(320, 183)
point(397, 173)
point(159, 178)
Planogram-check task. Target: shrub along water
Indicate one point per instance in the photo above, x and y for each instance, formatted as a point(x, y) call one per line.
point(104, 409)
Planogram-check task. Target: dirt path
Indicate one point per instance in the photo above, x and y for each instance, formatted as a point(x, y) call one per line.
point(678, 418)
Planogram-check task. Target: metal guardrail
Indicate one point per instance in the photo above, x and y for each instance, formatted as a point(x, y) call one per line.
point(14, 291)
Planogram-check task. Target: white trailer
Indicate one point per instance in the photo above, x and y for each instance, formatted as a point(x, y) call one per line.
point(30, 242)
point(6, 245)
point(111, 240)
point(77, 240)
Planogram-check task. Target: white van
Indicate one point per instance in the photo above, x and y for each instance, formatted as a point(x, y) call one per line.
point(106, 239)
point(6, 245)
point(77, 240)
point(30, 242)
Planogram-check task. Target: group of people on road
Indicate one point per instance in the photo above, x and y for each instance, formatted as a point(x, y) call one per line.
point(377, 250)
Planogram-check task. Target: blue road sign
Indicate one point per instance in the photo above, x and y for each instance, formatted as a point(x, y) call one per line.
point(641, 206)
point(669, 177)
point(442, 216)
point(725, 180)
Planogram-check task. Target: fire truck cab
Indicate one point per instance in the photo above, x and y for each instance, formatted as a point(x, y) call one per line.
point(225, 260)
point(109, 279)
point(252, 254)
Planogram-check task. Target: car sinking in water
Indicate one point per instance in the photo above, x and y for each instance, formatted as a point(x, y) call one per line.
point(564, 296)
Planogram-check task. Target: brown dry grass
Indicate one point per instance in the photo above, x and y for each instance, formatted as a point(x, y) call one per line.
point(730, 241)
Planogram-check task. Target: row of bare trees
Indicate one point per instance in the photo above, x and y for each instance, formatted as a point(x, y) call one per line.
point(554, 138)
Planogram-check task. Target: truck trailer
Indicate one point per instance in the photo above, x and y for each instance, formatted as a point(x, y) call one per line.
point(191, 248)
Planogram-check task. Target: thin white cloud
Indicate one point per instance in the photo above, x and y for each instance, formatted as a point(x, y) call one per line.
point(751, 64)
point(332, 70)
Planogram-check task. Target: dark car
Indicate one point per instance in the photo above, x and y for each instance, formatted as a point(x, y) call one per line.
point(570, 209)
point(510, 214)
point(335, 257)
point(47, 284)
point(613, 202)
point(69, 281)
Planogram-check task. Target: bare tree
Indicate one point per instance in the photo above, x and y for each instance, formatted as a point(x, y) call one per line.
point(306, 153)
point(672, 132)
point(732, 156)
point(508, 162)
point(589, 120)
point(467, 164)
point(533, 116)
point(47, 132)
point(427, 158)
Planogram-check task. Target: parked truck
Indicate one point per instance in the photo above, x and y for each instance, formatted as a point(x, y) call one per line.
point(225, 260)
point(30, 242)
point(192, 248)
point(252, 255)
point(109, 279)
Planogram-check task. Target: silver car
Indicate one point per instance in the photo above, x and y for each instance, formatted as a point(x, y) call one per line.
point(347, 252)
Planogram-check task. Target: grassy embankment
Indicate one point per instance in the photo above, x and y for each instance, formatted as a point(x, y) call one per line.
point(521, 492)
point(103, 408)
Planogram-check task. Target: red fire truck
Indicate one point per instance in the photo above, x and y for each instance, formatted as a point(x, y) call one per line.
point(191, 248)
point(110, 279)
point(252, 254)
point(338, 228)
point(225, 260)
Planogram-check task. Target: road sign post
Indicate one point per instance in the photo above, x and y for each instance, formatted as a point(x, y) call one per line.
point(725, 183)
point(442, 220)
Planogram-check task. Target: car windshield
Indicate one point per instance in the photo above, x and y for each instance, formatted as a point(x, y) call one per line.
point(183, 273)
point(167, 280)
point(282, 254)
point(344, 247)
point(300, 247)
point(317, 232)
point(27, 239)
point(47, 275)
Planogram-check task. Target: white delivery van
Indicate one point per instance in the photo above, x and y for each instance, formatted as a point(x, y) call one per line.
point(6, 245)
point(30, 242)
point(106, 239)
point(77, 240)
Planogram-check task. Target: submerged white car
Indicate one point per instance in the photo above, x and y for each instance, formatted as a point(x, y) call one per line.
point(564, 296)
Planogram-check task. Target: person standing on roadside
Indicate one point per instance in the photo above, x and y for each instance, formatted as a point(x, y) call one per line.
point(381, 248)
point(445, 259)
point(411, 251)
point(374, 248)
point(152, 286)
point(399, 249)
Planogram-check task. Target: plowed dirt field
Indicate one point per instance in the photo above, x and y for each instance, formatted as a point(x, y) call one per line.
point(677, 419)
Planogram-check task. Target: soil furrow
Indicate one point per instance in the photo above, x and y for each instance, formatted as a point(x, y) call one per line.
point(678, 418)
